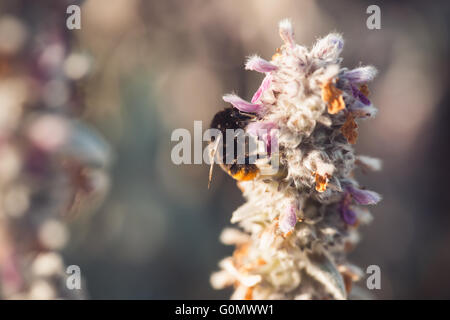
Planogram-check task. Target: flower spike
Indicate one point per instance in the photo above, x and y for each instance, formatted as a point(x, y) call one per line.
point(299, 222)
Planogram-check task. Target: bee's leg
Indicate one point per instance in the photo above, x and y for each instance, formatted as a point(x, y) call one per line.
point(212, 157)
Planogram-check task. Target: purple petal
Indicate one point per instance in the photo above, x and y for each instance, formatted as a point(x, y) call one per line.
point(363, 98)
point(259, 128)
point(288, 220)
point(258, 64)
point(264, 86)
point(266, 132)
point(364, 197)
point(338, 42)
point(348, 215)
point(355, 91)
point(241, 104)
point(360, 75)
point(358, 94)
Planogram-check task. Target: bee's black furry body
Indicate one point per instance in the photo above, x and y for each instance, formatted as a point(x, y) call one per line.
point(231, 118)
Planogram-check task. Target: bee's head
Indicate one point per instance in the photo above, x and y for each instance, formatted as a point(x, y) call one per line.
point(229, 118)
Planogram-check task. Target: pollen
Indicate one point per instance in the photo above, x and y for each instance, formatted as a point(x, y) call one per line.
point(321, 182)
point(243, 175)
point(287, 234)
point(277, 54)
point(240, 254)
point(249, 294)
point(349, 129)
point(333, 97)
point(253, 265)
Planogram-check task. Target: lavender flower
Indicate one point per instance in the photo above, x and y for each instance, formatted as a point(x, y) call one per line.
point(298, 226)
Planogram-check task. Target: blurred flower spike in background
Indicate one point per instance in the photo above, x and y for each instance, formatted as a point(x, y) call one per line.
point(53, 166)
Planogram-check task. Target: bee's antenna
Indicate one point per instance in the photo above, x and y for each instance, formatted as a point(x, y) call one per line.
point(212, 157)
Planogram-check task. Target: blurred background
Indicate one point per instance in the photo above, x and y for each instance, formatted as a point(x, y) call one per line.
point(137, 70)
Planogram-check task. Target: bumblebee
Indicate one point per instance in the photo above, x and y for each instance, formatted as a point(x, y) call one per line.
point(231, 118)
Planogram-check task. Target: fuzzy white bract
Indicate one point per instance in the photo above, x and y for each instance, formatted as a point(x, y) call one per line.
point(299, 224)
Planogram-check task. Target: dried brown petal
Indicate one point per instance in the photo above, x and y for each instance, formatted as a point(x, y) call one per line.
point(349, 129)
point(321, 182)
point(333, 97)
